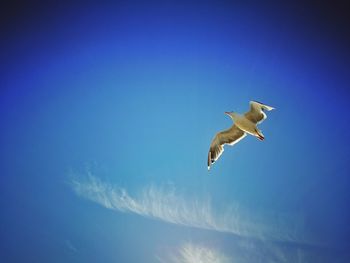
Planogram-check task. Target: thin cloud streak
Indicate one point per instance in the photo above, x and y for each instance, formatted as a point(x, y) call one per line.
point(70, 246)
point(167, 205)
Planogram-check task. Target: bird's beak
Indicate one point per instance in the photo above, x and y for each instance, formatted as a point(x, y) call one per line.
point(227, 113)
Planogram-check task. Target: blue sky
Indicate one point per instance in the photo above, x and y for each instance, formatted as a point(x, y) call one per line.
point(108, 110)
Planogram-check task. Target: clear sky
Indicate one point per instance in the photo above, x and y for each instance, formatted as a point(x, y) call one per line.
point(107, 112)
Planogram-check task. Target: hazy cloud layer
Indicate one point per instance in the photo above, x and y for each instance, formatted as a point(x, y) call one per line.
point(168, 205)
point(240, 251)
point(190, 253)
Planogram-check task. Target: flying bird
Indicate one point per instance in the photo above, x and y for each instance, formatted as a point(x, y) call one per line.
point(243, 124)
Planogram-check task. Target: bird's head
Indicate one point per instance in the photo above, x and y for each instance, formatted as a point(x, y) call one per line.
point(232, 114)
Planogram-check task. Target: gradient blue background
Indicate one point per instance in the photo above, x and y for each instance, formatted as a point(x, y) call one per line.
point(136, 91)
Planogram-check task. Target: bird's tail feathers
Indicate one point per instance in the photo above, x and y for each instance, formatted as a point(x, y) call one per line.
point(268, 108)
point(264, 106)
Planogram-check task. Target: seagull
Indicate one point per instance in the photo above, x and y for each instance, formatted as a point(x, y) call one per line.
point(243, 124)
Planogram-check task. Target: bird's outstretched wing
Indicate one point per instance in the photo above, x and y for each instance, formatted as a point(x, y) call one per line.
point(230, 136)
point(256, 113)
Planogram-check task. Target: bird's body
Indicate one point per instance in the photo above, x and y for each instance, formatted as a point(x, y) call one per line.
point(243, 124)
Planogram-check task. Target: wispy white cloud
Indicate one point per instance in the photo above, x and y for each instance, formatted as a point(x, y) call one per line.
point(167, 205)
point(191, 253)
